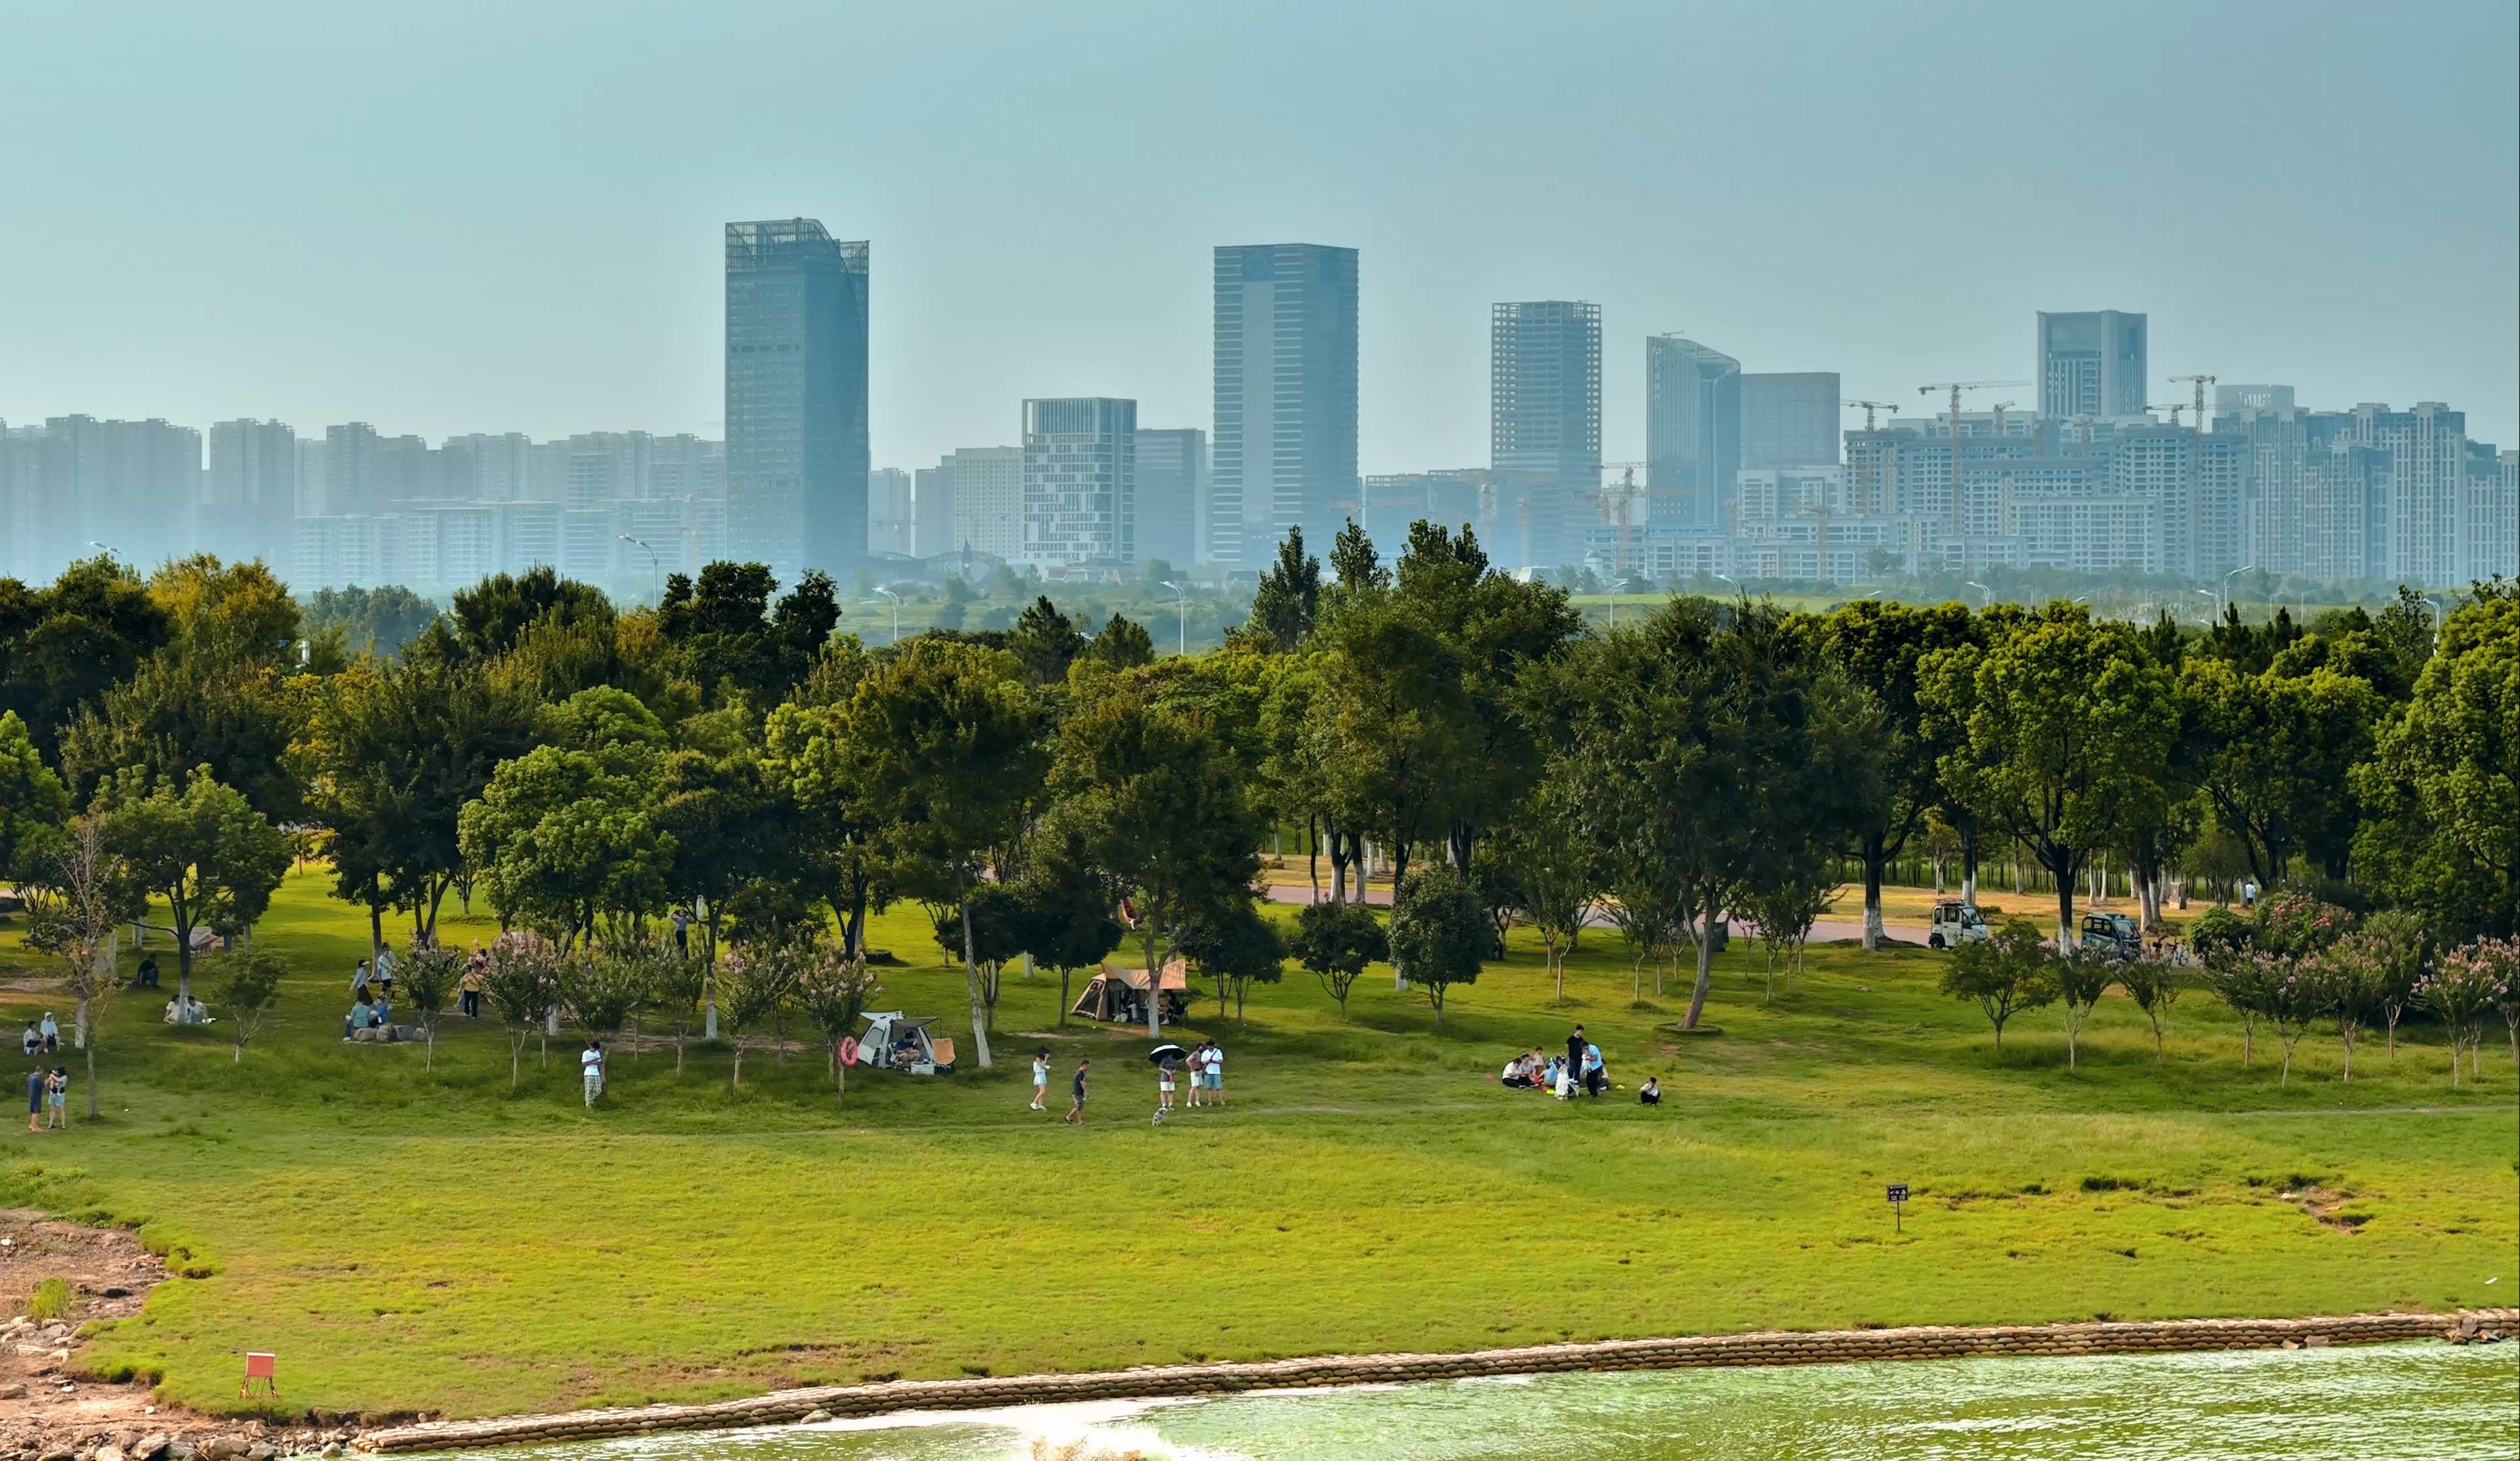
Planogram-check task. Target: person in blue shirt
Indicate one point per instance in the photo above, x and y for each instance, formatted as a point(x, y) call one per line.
point(362, 1015)
point(36, 1081)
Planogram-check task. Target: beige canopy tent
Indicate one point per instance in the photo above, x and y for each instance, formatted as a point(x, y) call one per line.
point(1119, 993)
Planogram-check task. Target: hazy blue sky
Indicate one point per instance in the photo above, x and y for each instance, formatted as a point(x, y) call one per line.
point(452, 216)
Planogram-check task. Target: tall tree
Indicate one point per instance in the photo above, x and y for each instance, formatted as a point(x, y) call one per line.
point(1161, 808)
point(1068, 905)
point(395, 752)
point(196, 843)
point(2442, 833)
point(1288, 596)
point(34, 806)
point(63, 647)
point(1880, 647)
point(369, 621)
point(944, 745)
point(1556, 875)
point(728, 637)
point(1393, 725)
point(493, 617)
point(1355, 568)
point(2271, 752)
point(1044, 641)
point(1335, 940)
point(2061, 729)
point(1700, 746)
point(563, 844)
point(1123, 644)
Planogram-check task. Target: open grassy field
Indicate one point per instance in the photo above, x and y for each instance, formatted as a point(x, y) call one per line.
point(423, 1241)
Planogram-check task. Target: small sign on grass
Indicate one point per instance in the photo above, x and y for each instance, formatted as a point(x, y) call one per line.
point(1898, 1193)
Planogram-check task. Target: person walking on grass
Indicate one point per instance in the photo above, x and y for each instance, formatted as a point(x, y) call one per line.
point(591, 1062)
point(359, 978)
point(38, 1085)
point(473, 984)
point(1041, 1078)
point(1163, 1089)
point(1076, 1090)
point(58, 1091)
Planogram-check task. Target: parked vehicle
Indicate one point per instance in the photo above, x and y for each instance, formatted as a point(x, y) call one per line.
point(2113, 934)
point(1954, 923)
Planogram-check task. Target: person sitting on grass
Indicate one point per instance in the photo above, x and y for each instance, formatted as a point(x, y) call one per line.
point(362, 1015)
point(1651, 1093)
point(1518, 1072)
point(52, 1034)
point(148, 977)
point(33, 1042)
point(383, 1011)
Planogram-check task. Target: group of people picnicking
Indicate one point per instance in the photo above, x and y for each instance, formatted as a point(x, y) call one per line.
point(371, 996)
point(1581, 1070)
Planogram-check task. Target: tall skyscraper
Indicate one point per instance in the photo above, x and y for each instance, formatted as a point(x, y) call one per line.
point(1285, 397)
point(1693, 406)
point(796, 454)
point(2091, 363)
point(1789, 419)
point(1172, 488)
point(1079, 481)
point(1544, 421)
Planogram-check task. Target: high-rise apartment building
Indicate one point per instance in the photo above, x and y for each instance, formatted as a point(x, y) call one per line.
point(1543, 424)
point(249, 497)
point(1285, 397)
point(2488, 535)
point(1172, 493)
point(2091, 363)
point(931, 511)
point(987, 491)
point(1079, 482)
point(795, 396)
point(1789, 419)
point(2230, 400)
point(1693, 414)
point(892, 525)
point(2427, 449)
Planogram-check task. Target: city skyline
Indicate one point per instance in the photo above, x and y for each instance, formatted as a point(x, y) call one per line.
point(435, 324)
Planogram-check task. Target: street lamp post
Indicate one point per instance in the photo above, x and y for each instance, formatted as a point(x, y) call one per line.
point(2211, 597)
point(2227, 586)
point(656, 566)
point(896, 611)
point(1986, 594)
point(1181, 645)
point(2439, 612)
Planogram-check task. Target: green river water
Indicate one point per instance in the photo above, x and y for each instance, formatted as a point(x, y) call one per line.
point(2418, 1401)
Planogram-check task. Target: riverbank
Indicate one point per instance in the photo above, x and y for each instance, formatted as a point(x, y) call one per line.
point(1152, 1382)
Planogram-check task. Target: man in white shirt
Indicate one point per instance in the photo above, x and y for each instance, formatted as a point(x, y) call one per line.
point(592, 1063)
point(1213, 1076)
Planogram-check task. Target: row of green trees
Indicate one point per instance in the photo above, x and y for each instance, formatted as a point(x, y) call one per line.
point(586, 770)
point(2293, 965)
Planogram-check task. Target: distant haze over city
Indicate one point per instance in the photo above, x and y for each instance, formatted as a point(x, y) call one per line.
point(466, 220)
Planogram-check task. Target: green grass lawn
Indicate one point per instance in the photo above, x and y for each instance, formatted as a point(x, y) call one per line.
point(423, 1241)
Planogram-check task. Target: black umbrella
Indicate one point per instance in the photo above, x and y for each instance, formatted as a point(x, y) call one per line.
point(1165, 1052)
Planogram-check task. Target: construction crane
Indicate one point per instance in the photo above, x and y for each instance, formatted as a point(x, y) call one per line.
point(1871, 429)
point(2001, 406)
point(2202, 382)
point(1619, 509)
point(2174, 408)
point(1958, 537)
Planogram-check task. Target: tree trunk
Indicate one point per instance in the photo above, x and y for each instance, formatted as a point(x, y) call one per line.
point(91, 1080)
point(1063, 997)
point(2064, 869)
point(1313, 854)
point(1873, 858)
point(1968, 867)
point(515, 1058)
point(737, 1074)
point(1154, 975)
point(1705, 960)
point(972, 973)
